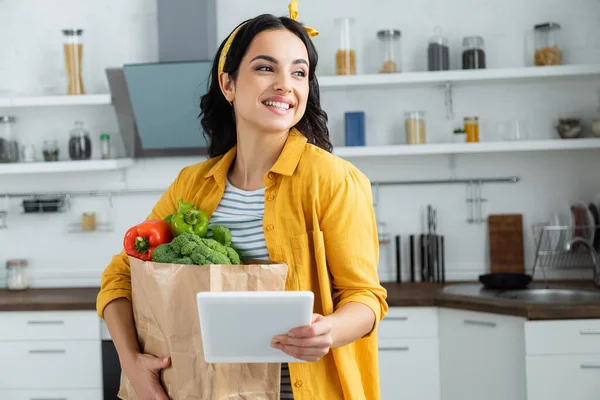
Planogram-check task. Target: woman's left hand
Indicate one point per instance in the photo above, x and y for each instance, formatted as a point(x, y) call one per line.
point(308, 343)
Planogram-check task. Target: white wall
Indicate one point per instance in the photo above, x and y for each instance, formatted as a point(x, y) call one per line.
point(118, 33)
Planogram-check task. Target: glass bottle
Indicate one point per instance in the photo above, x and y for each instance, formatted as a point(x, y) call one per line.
point(547, 44)
point(438, 52)
point(9, 145)
point(345, 56)
point(472, 129)
point(16, 275)
point(105, 145)
point(73, 51)
point(473, 56)
point(415, 127)
point(80, 144)
point(390, 49)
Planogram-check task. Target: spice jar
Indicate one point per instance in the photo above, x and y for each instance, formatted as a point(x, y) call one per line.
point(389, 47)
point(438, 52)
point(73, 51)
point(345, 57)
point(50, 150)
point(547, 44)
point(105, 146)
point(471, 129)
point(473, 56)
point(415, 127)
point(16, 275)
point(9, 146)
point(80, 144)
point(88, 222)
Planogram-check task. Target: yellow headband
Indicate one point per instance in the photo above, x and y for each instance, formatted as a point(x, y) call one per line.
point(293, 8)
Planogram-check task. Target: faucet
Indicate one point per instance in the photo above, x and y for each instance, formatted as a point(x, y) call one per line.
point(593, 255)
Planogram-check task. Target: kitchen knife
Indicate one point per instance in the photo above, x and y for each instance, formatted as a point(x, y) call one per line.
point(398, 260)
point(412, 258)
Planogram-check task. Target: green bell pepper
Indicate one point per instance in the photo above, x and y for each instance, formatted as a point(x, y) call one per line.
point(188, 219)
point(181, 207)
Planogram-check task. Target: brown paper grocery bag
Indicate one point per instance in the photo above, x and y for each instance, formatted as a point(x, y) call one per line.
point(166, 320)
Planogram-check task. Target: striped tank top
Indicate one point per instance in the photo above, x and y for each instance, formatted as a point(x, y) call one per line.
point(242, 212)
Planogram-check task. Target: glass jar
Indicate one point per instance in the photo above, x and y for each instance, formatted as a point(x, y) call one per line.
point(473, 56)
point(16, 275)
point(88, 221)
point(471, 129)
point(9, 145)
point(345, 56)
point(390, 49)
point(105, 146)
point(80, 144)
point(73, 51)
point(438, 52)
point(414, 125)
point(50, 150)
point(547, 44)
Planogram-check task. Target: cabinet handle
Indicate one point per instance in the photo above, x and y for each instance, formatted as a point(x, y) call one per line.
point(590, 332)
point(590, 366)
point(45, 322)
point(480, 323)
point(48, 351)
point(395, 348)
point(48, 398)
point(397, 318)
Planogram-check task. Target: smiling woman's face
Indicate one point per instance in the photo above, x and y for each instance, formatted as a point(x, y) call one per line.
point(271, 89)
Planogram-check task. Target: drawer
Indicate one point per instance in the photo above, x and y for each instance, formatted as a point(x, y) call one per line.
point(563, 337)
point(49, 325)
point(409, 322)
point(51, 365)
point(51, 394)
point(561, 377)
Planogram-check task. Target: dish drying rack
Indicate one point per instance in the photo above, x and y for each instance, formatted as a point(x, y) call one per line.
point(551, 251)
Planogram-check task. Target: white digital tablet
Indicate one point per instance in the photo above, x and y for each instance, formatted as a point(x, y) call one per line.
point(237, 327)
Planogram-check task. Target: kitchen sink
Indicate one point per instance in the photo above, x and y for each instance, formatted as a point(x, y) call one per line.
point(552, 295)
point(536, 293)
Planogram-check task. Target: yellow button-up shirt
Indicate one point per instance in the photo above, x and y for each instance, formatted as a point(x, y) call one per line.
point(319, 220)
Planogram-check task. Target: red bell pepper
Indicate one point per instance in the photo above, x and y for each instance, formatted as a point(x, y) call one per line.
point(142, 239)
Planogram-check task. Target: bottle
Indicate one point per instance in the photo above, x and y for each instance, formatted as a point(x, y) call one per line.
point(73, 51)
point(389, 43)
point(80, 144)
point(415, 127)
point(472, 129)
point(345, 57)
point(438, 52)
point(9, 146)
point(547, 44)
point(105, 145)
point(473, 56)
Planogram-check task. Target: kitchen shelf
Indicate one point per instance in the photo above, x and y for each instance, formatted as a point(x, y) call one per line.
point(467, 148)
point(65, 166)
point(54, 101)
point(458, 76)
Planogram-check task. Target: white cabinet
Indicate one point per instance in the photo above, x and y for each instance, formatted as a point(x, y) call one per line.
point(54, 355)
point(409, 354)
point(563, 360)
point(481, 356)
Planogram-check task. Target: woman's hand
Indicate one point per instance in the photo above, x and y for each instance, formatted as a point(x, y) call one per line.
point(308, 343)
point(143, 372)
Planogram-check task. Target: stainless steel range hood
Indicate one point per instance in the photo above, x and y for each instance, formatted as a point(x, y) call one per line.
point(158, 104)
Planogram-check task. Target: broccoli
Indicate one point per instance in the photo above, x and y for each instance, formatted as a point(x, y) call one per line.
point(183, 260)
point(216, 246)
point(197, 257)
point(188, 248)
point(181, 240)
point(221, 234)
point(164, 253)
point(233, 255)
point(210, 255)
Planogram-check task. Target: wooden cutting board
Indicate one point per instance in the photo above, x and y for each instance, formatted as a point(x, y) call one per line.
point(507, 252)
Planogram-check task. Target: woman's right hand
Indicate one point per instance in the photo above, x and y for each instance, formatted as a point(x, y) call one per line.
point(143, 371)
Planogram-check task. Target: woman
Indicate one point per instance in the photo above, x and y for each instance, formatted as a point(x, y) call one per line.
point(271, 178)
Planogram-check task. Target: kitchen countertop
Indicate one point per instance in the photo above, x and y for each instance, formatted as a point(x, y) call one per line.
point(399, 295)
point(431, 295)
